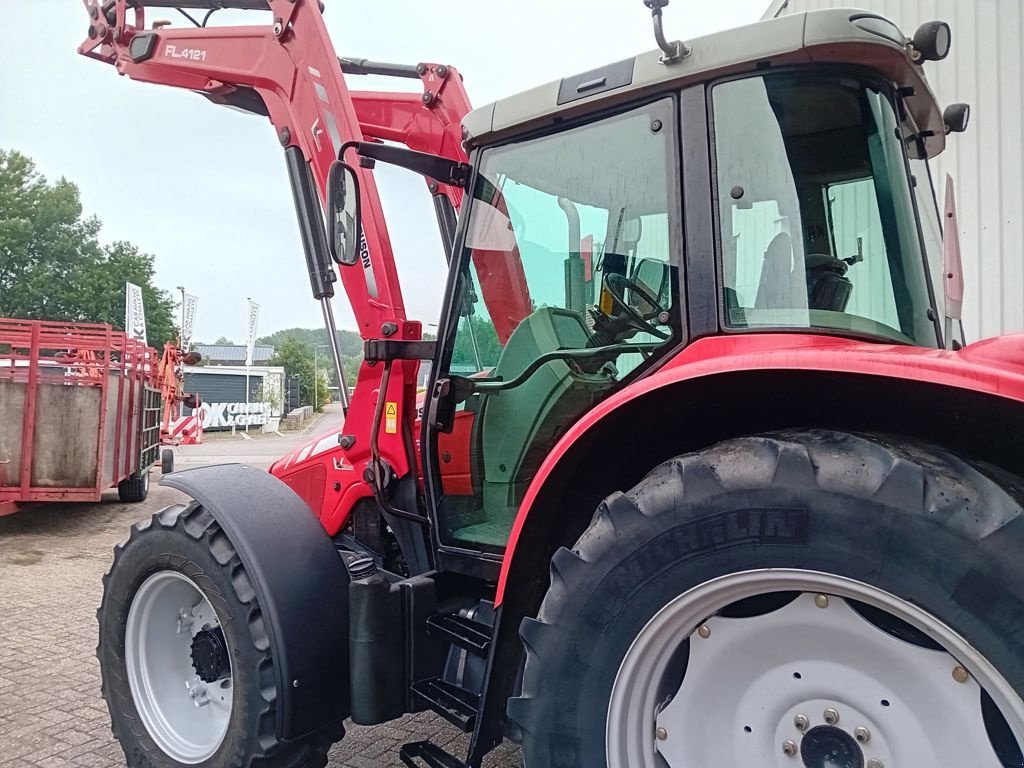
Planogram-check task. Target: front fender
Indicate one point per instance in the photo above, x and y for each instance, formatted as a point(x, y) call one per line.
point(300, 582)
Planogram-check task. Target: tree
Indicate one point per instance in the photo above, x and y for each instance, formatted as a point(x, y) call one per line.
point(350, 345)
point(224, 340)
point(297, 359)
point(52, 264)
point(481, 330)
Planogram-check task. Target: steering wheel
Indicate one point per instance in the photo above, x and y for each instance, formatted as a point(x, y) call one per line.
point(616, 285)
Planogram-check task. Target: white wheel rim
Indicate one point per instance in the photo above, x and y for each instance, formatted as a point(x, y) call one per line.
point(186, 717)
point(740, 676)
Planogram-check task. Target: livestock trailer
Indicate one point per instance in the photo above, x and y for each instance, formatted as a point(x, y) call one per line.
point(79, 413)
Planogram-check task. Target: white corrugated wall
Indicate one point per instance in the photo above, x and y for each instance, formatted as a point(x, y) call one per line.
point(985, 69)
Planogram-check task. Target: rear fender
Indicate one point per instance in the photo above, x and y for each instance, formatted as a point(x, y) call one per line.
point(300, 582)
point(715, 378)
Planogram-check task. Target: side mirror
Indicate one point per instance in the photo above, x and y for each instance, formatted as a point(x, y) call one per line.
point(343, 222)
point(632, 231)
point(956, 117)
point(953, 270)
point(656, 277)
point(931, 42)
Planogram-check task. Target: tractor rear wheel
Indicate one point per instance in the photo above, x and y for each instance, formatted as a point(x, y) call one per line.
point(795, 599)
point(186, 664)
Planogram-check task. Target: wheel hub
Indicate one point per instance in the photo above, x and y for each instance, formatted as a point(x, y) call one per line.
point(826, 746)
point(809, 683)
point(174, 650)
point(209, 655)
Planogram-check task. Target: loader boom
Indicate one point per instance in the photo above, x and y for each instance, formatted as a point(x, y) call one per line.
point(288, 70)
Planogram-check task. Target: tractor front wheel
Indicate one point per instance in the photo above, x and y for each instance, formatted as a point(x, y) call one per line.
point(187, 667)
point(801, 599)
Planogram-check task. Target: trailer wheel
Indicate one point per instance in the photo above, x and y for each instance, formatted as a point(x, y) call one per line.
point(166, 461)
point(135, 488)
point(186, 664)
point(796, 599)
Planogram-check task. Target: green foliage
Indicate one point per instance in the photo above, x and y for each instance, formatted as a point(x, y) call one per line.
point(52, 265)
point(350, 344)
point(265, 394)
point(297, 359)
point(480, 329)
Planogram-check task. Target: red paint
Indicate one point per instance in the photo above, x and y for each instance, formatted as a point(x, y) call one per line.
point(587, 253)
point(454, 456)
point(300, 81)
point(994, 366)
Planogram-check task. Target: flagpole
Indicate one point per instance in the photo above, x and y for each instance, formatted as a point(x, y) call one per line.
point(254, 318)
point(248, 362)
point(181, 330)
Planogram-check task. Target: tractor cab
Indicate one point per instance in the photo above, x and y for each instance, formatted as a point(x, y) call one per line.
point(639, 207)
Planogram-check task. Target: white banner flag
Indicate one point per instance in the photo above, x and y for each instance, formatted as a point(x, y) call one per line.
point(188, 321)
point(134, 313)
point(254, 318)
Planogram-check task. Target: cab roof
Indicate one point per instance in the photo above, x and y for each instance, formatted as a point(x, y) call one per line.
point(832, 36)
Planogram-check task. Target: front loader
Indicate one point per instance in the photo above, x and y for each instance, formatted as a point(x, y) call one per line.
point(704, 474)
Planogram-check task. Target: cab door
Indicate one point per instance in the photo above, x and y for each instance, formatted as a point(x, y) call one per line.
point(566, 287)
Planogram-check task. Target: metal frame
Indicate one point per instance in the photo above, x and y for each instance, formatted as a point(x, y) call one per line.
point(81, 355)
point(288, 70)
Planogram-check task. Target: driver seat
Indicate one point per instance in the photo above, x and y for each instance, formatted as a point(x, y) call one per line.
point(518, 427)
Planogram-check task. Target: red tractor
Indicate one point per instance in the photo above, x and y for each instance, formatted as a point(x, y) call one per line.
point(704, 475)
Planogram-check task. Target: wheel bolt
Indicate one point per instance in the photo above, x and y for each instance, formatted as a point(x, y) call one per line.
point(704, 631)
point(874, 762)
point(862, 734)
point(789, 747)
point(831, 716)
point(801, 722)
point(960, 674)
point(821, 601)
point(661, 734)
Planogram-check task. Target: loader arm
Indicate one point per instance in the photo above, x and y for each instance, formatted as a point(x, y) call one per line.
point(288, 71)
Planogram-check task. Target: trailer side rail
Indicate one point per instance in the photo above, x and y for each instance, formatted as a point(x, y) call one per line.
point(72, 409)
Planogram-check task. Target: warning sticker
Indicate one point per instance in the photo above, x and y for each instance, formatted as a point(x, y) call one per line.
point(391, 418)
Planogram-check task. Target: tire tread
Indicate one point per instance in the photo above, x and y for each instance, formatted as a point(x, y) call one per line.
point(198, 524)
point(887, 470)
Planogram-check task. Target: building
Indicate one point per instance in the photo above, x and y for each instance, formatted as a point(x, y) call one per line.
point(232, 354)
point(224, 405)
point(984, 69)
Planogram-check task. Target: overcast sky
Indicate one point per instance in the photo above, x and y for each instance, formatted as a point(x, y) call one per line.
point(204, 188)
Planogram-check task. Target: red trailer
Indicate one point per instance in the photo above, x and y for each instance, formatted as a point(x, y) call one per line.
point(79, 413)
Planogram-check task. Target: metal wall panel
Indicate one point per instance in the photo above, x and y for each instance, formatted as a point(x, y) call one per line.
point(985, 69)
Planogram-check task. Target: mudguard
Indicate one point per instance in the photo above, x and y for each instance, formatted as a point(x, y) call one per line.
point(300, 582)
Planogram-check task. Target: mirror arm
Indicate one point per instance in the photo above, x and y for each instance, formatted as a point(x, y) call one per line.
point(440, 169)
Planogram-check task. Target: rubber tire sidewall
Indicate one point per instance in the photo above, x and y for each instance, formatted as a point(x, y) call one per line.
point(169, 549)
point(604, 606)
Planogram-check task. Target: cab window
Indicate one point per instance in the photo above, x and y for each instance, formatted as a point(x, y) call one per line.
point(567, 289)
